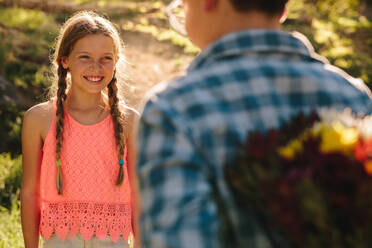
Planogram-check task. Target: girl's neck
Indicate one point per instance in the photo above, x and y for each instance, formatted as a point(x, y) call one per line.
point(85, 102)
point(86, 109)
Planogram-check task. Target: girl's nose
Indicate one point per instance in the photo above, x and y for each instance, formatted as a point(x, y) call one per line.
point(96, 65)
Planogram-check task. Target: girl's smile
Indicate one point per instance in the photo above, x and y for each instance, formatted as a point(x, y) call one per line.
point(94, 79)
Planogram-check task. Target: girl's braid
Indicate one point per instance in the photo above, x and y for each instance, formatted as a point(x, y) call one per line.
point(117, 117)
point(61, 97)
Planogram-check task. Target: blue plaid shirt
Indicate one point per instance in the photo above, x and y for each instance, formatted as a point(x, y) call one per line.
point(251, 80)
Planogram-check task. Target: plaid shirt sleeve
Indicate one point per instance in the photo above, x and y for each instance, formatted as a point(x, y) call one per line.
point(175, 194)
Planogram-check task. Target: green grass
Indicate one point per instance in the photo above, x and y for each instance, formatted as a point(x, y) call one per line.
point(10, 182)
point(10, 179)
point(162, 35)
point(10, 227)
point(25, 19)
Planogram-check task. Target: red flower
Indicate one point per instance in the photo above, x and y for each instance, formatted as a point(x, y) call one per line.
point(360, 151)
point(363, 150)
point(368, 147)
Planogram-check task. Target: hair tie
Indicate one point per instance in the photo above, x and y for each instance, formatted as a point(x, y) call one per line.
point(121, 173)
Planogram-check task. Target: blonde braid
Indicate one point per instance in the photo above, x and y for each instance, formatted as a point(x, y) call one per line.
point(117, 118)
point(61, 97)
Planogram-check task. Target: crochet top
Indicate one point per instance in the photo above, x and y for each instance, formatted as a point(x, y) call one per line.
point(91, 203)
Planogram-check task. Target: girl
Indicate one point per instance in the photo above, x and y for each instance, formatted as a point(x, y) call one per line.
point(75, 189)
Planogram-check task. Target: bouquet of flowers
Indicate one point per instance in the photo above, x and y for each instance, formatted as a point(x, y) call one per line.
point(309, 181)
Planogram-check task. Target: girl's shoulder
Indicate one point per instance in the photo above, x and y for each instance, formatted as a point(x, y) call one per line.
point(131, 117)
point(40, 116)
point(41, 111)
point(128, 111)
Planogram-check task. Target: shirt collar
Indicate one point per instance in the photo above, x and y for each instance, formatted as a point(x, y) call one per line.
point(256, 41)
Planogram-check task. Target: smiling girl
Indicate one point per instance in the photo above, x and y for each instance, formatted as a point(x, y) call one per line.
point(75, 188)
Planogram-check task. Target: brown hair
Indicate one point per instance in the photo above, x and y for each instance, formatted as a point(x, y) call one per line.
point(270, 7)
point(78, 26)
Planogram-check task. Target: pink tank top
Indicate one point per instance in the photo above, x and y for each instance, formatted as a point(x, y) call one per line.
point(91, 203)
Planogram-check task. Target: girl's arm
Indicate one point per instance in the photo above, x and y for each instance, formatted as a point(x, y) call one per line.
point(132, 161)
point(132, 153)
point(31, 160)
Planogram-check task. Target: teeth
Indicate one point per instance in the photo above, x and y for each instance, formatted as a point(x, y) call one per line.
point(94, 79)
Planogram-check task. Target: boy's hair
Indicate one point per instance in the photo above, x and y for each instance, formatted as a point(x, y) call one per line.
point(270, 7)
point(78, 26)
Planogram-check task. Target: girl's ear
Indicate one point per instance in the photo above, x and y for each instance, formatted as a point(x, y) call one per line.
point(64, 62)
point(117, 57)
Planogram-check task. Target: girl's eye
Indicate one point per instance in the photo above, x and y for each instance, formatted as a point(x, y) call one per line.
point(84, 57)
point(108, 58)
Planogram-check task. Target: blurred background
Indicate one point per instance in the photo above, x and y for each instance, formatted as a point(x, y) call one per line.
point(340, 30)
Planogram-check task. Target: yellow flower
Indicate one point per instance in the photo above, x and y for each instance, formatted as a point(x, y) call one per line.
point(287, 152)
point(297, 145)
point(291, 149)
point(337, 138)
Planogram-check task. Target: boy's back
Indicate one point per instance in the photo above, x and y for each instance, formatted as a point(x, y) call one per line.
point(253, 80)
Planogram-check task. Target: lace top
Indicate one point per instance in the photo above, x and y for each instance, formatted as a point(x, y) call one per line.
point(91, 203)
